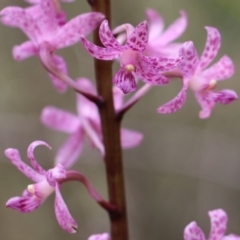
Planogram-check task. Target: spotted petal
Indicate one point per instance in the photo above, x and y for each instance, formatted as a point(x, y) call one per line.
point(221, 70)
point(212, 46)
point(25, 50)
point(60, 120)
point(225, 96)
point(63, 215)
point(193, 232)
point(14, 156)
point(55, 174)
point(100, 52)
point(79, 26)
point(137, 41)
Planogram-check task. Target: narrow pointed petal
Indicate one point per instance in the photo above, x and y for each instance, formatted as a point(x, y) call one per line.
point(155, 24)
point(33, 161)
point(137, 41)
point(118, 97)
point(63, 215)
point(176, 103)
point(55, 174)
point(123, 31)
point(62, 67)
point(18, 17)
point(221, 70)
point(69, 152)
point(207, 103)
point(225, 96)
point(130, 138)
point(189, 60)
point(103, 236)
point(193, 232)
point(212, 46)
point(24, 204)
point(107, 37)
point(60, 120)
point(14, 156)
point(100, 52)
point(218, 224)
point(79, 26)
point(175, 30)
point(231, 237)
point(25, 50)
point(125, 80)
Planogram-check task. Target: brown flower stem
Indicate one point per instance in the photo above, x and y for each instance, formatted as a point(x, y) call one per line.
point(111, 136)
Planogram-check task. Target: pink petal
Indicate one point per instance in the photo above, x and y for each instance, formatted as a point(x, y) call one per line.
point(221, 70)
point(125, 80)
point(218, 224)
point(25, 50)
point(55, 174)
point(127, 28)
point(107, 37)
point(99, 52)
point(176, 103)
point(59, 120)
point(24, 204)
point(63, 215)
point(193, 232)
point(69, 152)
point(61, 65)
point(212, 46)
point(190, 59)
point(130, 138)
point(18, 17)
point(155, 24)
point(175, 30)
point(225, 96)
point(14, 156)
point(231, 237)
point(79, 26)
point(137, 41)
point(118, 98)
point(103, 236)
point(33, 161)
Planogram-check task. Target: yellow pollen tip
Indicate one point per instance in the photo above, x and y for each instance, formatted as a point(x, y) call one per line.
point(212, 84)
point(130, 67)
point(30, 188)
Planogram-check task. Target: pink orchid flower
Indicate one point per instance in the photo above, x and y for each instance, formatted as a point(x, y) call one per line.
point(86, 123)
point(103, 236)
point(160, 42)
point(42, 27)
point(46, 182)
point(203, 81)
point(218, 228)
point(134, 64)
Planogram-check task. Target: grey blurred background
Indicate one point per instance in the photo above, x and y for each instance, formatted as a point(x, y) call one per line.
point(184, 167)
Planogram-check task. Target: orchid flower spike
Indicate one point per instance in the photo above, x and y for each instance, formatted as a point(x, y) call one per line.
point(85, 123)
point(160, 42)
point(203, 81)
point(133, 63)
point(103, 236)
point(42, 27)
point(218, 228)
point(46, 182)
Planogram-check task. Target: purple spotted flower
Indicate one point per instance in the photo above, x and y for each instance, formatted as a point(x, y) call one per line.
point(46, 182)
point(103, 236)
point(160, 42)
point(133, 63)
point(86, 123)
point(42, 26)
point(218, 228)
point(203, 81)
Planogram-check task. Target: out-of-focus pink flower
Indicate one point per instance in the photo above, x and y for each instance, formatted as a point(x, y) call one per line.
point(160, 42)
point(41, 25)
point(103, 236)
point(133, 63)
point(218, 228)
point(86, 123)
point(46, 182)
point(203, 81)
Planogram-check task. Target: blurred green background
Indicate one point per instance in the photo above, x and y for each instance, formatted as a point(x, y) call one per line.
point(184, 167)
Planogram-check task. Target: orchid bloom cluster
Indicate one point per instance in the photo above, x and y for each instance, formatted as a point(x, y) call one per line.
point(146, 53)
